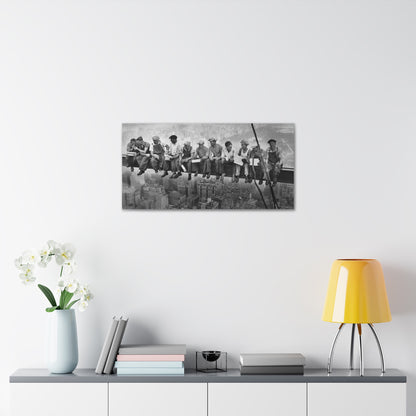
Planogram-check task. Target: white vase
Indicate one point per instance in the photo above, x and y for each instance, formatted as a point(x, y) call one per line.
point(62, 343)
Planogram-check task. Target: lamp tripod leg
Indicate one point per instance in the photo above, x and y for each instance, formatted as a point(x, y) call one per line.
point(383, 368)
point(361, 350)
point(331, 352)
point(352, 347)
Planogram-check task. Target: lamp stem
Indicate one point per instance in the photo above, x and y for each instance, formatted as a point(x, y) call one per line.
point(331, 352)
point(352, 347)
point(383, 368)
point(361, 350)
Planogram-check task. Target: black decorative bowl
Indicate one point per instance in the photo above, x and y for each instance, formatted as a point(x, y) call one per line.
point(211, 356)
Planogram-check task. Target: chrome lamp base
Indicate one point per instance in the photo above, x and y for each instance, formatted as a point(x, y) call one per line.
point(331, 352)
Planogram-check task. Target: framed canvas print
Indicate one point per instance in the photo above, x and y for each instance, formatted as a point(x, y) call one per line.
point(208, 166)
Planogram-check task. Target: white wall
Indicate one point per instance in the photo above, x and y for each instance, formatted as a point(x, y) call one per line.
point(344, 72)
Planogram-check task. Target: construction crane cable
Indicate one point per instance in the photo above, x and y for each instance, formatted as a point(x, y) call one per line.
point(275, 204)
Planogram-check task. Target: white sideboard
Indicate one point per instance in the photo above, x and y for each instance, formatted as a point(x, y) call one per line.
point(249, 399)
point(176, 399)
point(358, 399)
point(35, 392)
point(63, 399)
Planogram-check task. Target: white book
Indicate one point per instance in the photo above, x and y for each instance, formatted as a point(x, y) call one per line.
point(272, 359)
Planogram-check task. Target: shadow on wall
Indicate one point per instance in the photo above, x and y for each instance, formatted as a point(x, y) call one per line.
point(138, 333)
point(400, 289)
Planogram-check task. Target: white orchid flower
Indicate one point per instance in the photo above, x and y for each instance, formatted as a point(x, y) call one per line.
point(44, 251)
point(27, 276)
point(69, 267)
point(26, 273)
point(30, 257)
point(27, 280)
point(89, 296)
point(53, 246)
point(64, 253)
point(27, 269)
point(82, 305)
point(82, 290)
point(85, 293)
point(19, 263)
point(45, 256)
point(72, 286)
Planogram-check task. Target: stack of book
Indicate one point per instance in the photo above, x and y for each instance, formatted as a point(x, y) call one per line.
point(151, 360)
point(278, 364)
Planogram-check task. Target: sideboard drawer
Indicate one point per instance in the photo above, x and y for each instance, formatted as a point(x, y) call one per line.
point(358, 399)
point(157, 399)
point(254, 399)
point(63, 399)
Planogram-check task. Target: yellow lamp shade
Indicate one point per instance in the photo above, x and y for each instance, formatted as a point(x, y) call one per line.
point(356, 293)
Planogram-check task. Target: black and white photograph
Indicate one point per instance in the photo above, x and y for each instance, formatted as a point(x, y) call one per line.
point(208, 166)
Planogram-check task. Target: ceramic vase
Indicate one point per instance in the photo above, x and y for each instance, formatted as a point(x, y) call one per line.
point(62, 342)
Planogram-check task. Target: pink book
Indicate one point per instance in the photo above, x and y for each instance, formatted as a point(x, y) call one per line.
point(150, 357)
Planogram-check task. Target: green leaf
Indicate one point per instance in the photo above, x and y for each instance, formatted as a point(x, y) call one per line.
point(62, 299)
point(53, 308)
point(65, 298)
point(49, 295)
point(72, 304)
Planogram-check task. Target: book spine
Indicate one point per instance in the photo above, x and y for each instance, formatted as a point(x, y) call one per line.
point(151, 371)
point(271, 360)
point(149, 364)
point(152, 350)
point(150, 357)
point(280, 370)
